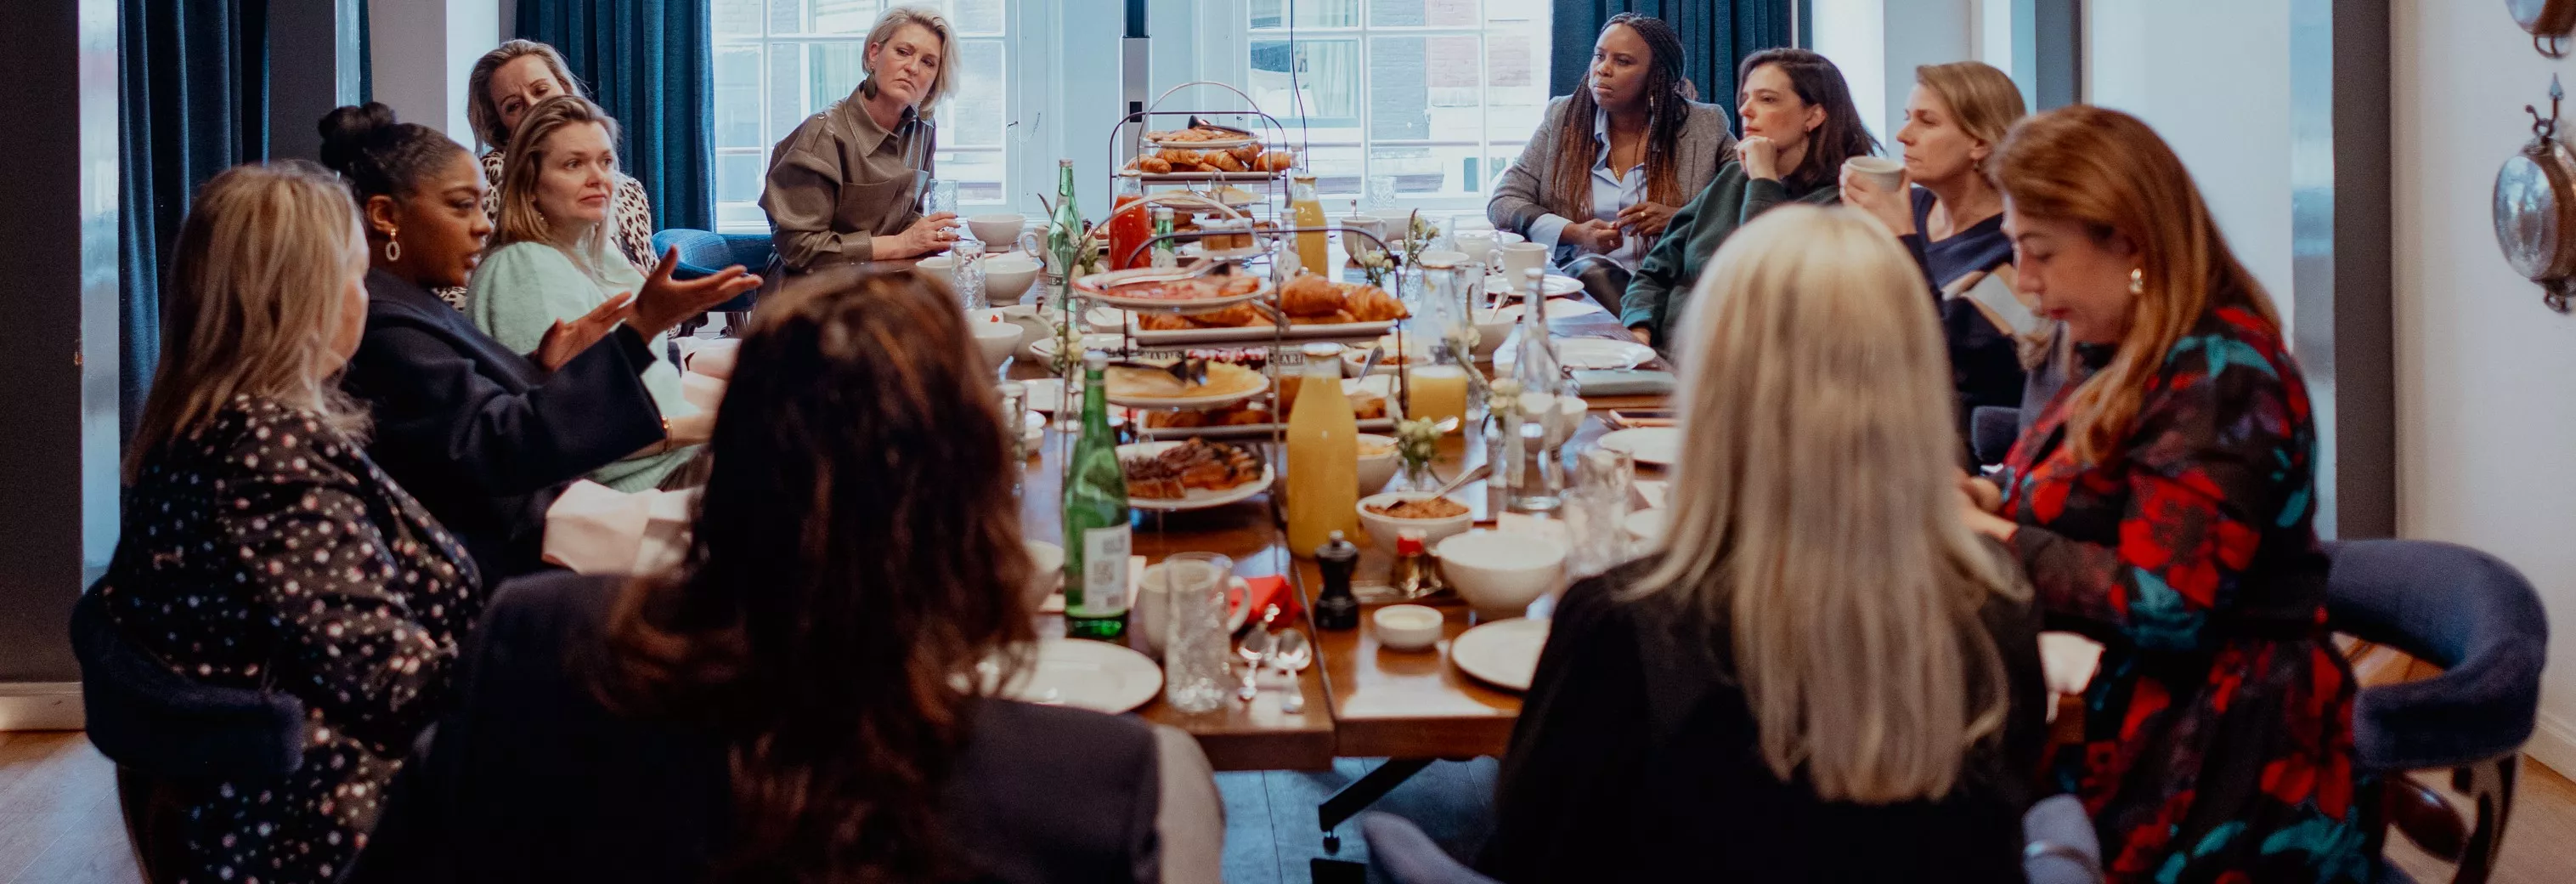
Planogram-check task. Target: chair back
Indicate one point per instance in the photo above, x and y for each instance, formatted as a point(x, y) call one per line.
point(707, 253)
point(2454, 607)
point(159, 723)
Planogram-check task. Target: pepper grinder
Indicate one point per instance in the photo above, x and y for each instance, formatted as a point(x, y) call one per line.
point(1337, 608)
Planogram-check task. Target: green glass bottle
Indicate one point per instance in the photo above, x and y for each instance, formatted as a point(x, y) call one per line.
point(1096, 533)
point(1064, 229)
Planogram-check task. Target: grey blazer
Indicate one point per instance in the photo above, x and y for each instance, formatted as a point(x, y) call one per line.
point(1520, 197)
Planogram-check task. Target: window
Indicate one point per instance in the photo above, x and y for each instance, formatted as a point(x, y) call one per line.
point(1428, 99)
point(780, 61)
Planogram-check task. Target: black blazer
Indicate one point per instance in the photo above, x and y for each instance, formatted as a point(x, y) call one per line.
point(531, 779)
point(1635, 759)
point(483, 437)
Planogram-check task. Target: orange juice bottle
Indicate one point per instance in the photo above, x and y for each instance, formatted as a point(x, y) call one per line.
point(1323, 456)
point(1306, 209)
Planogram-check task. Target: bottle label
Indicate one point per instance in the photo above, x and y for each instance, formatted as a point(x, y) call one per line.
point(1104, 572)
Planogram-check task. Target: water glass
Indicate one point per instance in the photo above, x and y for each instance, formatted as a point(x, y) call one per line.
point(1379, 192)
point(968, 273)
point(1195, 669)
point(1015, 420)
point(940, 196)
point(1596, 512)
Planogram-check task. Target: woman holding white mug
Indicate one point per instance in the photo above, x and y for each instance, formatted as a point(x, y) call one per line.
point(1953, 224)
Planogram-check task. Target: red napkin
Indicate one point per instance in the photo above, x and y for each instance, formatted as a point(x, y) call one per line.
point(1272, 590)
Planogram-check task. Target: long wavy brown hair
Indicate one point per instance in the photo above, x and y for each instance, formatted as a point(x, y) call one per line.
point(856, 555)
point(2111, 173)
point(1818, 82)
point(1570, 190)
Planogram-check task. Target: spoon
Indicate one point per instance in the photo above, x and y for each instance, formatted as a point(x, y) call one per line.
point(1256, 650)
point(1291, 656)
point(1480, 471)
point(1368, 365)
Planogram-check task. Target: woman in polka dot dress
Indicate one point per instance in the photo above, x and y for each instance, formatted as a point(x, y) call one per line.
point(261, 548)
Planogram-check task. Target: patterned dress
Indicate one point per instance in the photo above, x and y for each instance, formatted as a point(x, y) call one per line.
point(633, 234)
point(2218, 743)
point(264, 550)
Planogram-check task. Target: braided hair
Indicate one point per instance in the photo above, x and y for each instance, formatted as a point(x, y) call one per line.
point(378, 155)
point(1570, 187)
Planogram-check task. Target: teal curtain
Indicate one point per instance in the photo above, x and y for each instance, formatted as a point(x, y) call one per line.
point(1715, 35)
point(194, 84)
point(648, 63)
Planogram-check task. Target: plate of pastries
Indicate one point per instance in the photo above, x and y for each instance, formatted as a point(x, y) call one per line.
point(1314, 305)
point(1191, 474)
point(1174, 383)
point(1196, 294)
point(1368, 403)
point(1201, 159)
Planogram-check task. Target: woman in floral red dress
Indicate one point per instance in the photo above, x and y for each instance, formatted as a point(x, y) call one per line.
point(2162, 504)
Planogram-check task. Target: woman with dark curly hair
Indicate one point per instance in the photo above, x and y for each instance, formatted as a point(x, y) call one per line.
point(804, 699)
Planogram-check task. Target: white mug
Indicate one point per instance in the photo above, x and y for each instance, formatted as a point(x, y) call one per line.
point(1152, 611)
point(1375, 226)
point(1519, 258)
point(1883, 173)
point(1478, 244)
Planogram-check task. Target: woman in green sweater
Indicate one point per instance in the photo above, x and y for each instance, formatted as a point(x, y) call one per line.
point(1799, 127)
point(554, 260)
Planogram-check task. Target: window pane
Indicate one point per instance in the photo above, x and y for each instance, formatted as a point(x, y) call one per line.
point(1515, 81)
point(787, 16)
point(977, 17)
point(739, 177)
point(832, 70)
point(1326, 84)
point(1399, 99)
point(1417, 13)
point(1337, 176)
point(737, 96)
point(734, 18)
point(1310, 13)
point(842, 17)
point(978, 173)
point(1450, 13)
point(975, 112)
point(785, 101)
point(1424, 171)
point(1395, 13)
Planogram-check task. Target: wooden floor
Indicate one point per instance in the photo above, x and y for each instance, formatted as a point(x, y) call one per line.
point(59, 822)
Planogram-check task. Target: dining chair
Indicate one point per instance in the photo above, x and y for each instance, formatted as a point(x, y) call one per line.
point(166, 731)
point(2478, 619)
point(707, 253)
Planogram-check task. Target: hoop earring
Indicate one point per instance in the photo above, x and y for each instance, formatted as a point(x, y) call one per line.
point(2137, 280)
point(393, 248)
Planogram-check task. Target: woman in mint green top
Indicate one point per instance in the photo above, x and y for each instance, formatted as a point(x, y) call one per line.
point(554, 261)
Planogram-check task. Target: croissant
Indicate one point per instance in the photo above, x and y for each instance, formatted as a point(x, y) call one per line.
point(1337, 317)
point(1249, 154)
point(1153, 165)
point(1309, 295)
point(1373, 304)
point(1177, 155)
point(1224, 162)
point(1163, 322)
point(1277, 161)
point(1232, 316)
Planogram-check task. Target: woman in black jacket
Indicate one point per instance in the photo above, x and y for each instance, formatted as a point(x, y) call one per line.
point(485, 437)
point(1824, 675)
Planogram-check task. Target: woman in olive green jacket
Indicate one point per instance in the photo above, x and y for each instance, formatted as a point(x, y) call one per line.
point(1799, 127)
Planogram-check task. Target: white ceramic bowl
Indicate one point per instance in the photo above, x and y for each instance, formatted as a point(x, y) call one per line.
point(941, 266)
point(1046, 570)
point(1407, 627)
point(997, 338)
point(1007, 277)
point(1492, 326)
point(1500, 573)
point(1375, 471)
point(1002, 230)
point(1382, 528)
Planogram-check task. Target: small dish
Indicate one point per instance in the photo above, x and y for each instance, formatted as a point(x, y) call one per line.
point(1503, 653)
point(1382, 527)
point(1376, 469)
point(1650, 445)
point(1407, 627)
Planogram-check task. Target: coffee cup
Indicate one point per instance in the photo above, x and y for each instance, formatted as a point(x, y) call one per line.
point(1372, 225)
point(1519, 259)
point(1477, 244)
point(1883, 174)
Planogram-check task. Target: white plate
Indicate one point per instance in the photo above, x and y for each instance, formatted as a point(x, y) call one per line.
point(1256, 334)
point(1238, 253)
point(1582, 353)
point(1556, 310)
point(1193, 498)
point(1555, 286)
point(1211, 400)
point(1210, 144)
point(1045, 347)
point(1646, 525)
point(1654, 445)
point(1105, 319)
point(1503, 653)
point(1085, 674)
point(1098, 287)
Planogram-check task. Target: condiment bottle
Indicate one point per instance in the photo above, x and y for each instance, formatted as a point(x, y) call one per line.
point(1414, 575)
point(1337, 608)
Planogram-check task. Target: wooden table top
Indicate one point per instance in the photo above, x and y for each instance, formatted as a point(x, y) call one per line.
point(1361, 700)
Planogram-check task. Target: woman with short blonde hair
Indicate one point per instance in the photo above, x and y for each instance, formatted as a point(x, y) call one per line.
point(845, 187)
point(550, 263)
point(261, 548)
point(1822, 646)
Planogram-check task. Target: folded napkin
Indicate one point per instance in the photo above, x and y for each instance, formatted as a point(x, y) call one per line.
point(714, 358)
point(1271, 590)
point(2066, 663)
point(1623, 382)
point(594, 529)
point(703, 391)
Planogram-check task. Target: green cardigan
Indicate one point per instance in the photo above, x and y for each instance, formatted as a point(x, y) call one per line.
point(521, 289)
point(1663, 281)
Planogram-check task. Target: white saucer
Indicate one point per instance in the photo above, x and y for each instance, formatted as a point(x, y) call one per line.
point(1503, 653)
point(1653, 445)
point(1085, 674)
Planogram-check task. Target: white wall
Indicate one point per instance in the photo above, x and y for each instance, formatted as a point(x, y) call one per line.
point(2213, 78)
point(422, 51)
point(1854, 34)
point(2483, 420)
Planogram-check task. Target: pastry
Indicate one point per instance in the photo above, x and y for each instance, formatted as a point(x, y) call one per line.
point(1223, 162)
point(1369, 303)
point(1309, 294)
point(1153, 165)
point(1276, 161)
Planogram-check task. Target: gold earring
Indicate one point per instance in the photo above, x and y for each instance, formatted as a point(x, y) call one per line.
point(393, 247)
point(2137, 280)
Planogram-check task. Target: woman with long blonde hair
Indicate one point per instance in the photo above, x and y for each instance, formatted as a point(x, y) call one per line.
point(551, 263)
point(1822, 648)
point(2163, 503)
point(845, 187)
point(261, 548)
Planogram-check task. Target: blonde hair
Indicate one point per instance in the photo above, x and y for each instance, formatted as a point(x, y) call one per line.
point(895, 19)
point(525, 161)
point(2109, 172)
point(481, 113)
point(1815, 511)
point(253, 301)
point(1983, 101)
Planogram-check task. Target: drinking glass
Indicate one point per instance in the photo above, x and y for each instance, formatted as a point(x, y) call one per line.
point(1194, 664)
point(1379, 193)
point(1015, 411)
point(940, 196)
point(1597, 511)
